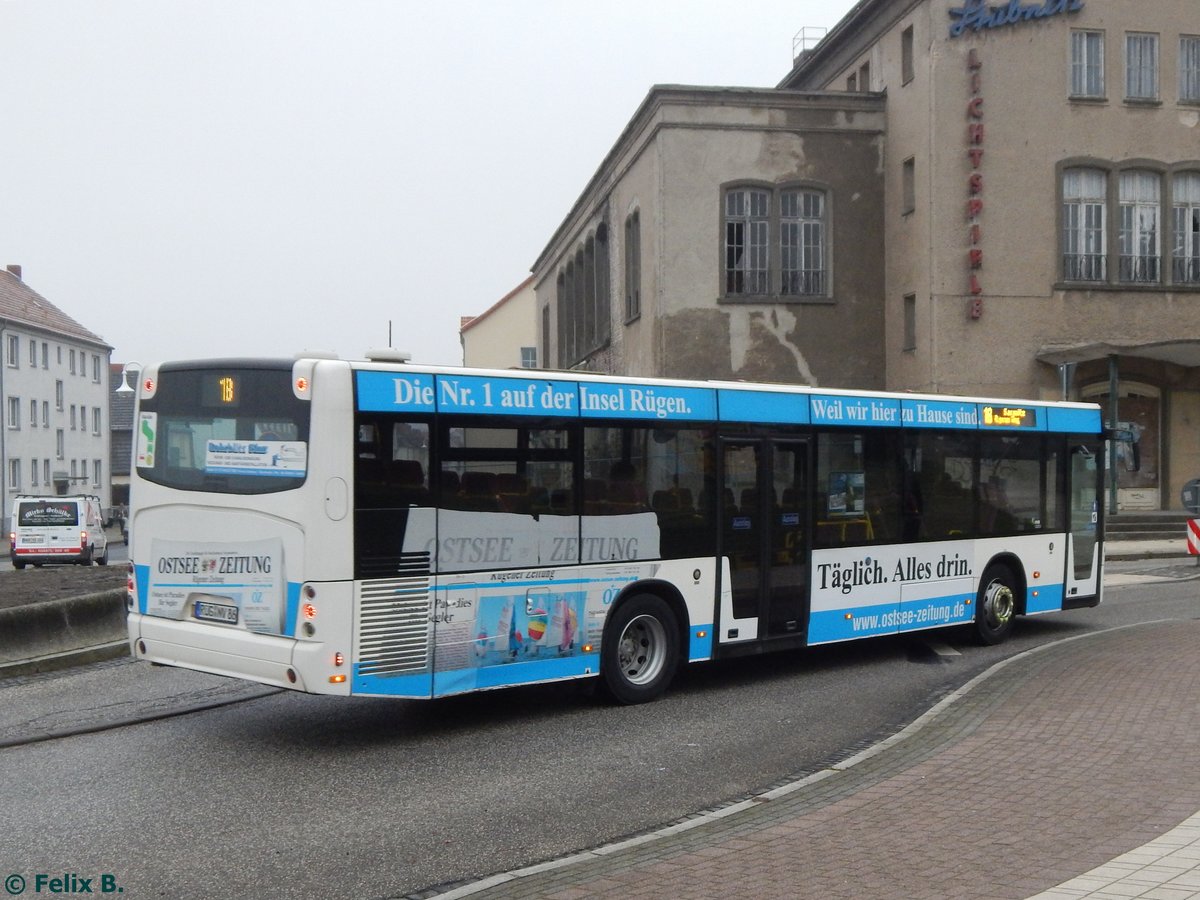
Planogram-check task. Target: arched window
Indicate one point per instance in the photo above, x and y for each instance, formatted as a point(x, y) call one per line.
point(1084, 198)
point(603, 304)
point(633, 266)
point(802, 242)
point(747, 246)
point(1140, 234)
point(1186, 206)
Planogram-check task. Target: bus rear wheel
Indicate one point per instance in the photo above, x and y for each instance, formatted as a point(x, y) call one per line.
point(995, 605)
point(640, 652)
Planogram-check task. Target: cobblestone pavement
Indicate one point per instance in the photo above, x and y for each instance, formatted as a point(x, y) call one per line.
point(1050, 765)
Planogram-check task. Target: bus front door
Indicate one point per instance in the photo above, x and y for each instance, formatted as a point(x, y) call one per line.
point(763, 510)
point(1086, 491)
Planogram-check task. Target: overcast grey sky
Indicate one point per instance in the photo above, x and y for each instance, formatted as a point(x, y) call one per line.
point(193, 178)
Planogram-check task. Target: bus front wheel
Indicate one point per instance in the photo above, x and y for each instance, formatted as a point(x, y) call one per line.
point(640, 651)
point(995, 605)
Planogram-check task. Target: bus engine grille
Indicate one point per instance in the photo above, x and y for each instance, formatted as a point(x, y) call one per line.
point(393, 626)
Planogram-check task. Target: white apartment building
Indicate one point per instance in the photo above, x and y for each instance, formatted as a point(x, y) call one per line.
point(54, 383)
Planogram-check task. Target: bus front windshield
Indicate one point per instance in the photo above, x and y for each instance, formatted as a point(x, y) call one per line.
point(225, 429)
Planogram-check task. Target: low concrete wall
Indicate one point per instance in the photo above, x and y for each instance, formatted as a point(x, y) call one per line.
point(38, 630)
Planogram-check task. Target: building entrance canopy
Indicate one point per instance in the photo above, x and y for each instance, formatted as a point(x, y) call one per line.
point(1184, 352)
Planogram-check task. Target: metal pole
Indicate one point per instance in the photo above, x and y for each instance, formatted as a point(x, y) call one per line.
point(1113, 388)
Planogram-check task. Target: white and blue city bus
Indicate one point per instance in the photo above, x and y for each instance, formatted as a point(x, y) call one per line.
point(381, 529)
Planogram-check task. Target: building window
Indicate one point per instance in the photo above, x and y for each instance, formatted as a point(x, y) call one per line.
point(1186, 204)
point(528, 361)
point(799, 218)
point(906, 55)
point(45, 413)
point(33, 472)
point(14, 412)
point(852, 82)
point(14, 351)
point(583, 300)
point(72, 366)
point(32, 353)
point(633, 266)
point(546, 331)
point(14, 474)
point(1087, 64)
point(1141, 66)
point(58, 395)
point(864, 77)
point(1139, 234)
point(60, 443)
point(1084, 197)
point(802, 242)
point(908, 187)
point(33, 414)
point(72, 416)
point(910, 322)
point(45, 471)
point(1189, 69)
point(96, 471)
point(95, 369)
point(747, 247)
point(45, 355)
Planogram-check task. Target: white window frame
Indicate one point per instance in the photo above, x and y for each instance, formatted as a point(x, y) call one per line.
point(1141, 66)
point(746, 236)
point(1185, 209)
point(1139, 228)
point(802, 242)
point(14, 413)
point(14, 474)
point(1189, 68)
point(1087, 63)
point(96, 424)
point(14, 351)
point(1085, 223)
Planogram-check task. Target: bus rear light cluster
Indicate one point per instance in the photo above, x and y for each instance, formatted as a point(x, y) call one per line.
point(339, 659)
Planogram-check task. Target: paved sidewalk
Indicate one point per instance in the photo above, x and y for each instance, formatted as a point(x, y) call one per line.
point(1078, 758)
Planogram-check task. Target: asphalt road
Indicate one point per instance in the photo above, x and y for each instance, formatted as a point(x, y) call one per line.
point(297, 796)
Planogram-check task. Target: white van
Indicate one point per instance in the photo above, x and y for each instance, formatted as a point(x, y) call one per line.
point(58, 530)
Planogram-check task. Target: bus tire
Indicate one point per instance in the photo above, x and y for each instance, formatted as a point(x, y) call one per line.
point(640, 652)
point(995, 605)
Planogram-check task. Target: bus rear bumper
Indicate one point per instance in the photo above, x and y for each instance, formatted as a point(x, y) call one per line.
point(232, 652)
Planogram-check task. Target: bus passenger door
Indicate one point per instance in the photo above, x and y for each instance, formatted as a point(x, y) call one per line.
point(1085, 492)
point(763, 508)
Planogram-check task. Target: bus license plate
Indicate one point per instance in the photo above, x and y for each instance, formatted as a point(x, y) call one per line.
point(215, 612)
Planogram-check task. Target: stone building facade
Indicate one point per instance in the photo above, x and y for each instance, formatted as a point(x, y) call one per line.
point(942, 195)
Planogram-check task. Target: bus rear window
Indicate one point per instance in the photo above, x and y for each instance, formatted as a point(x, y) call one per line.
point(232, 430)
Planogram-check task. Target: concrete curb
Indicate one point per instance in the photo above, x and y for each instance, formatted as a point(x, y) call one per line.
point(40, 636)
